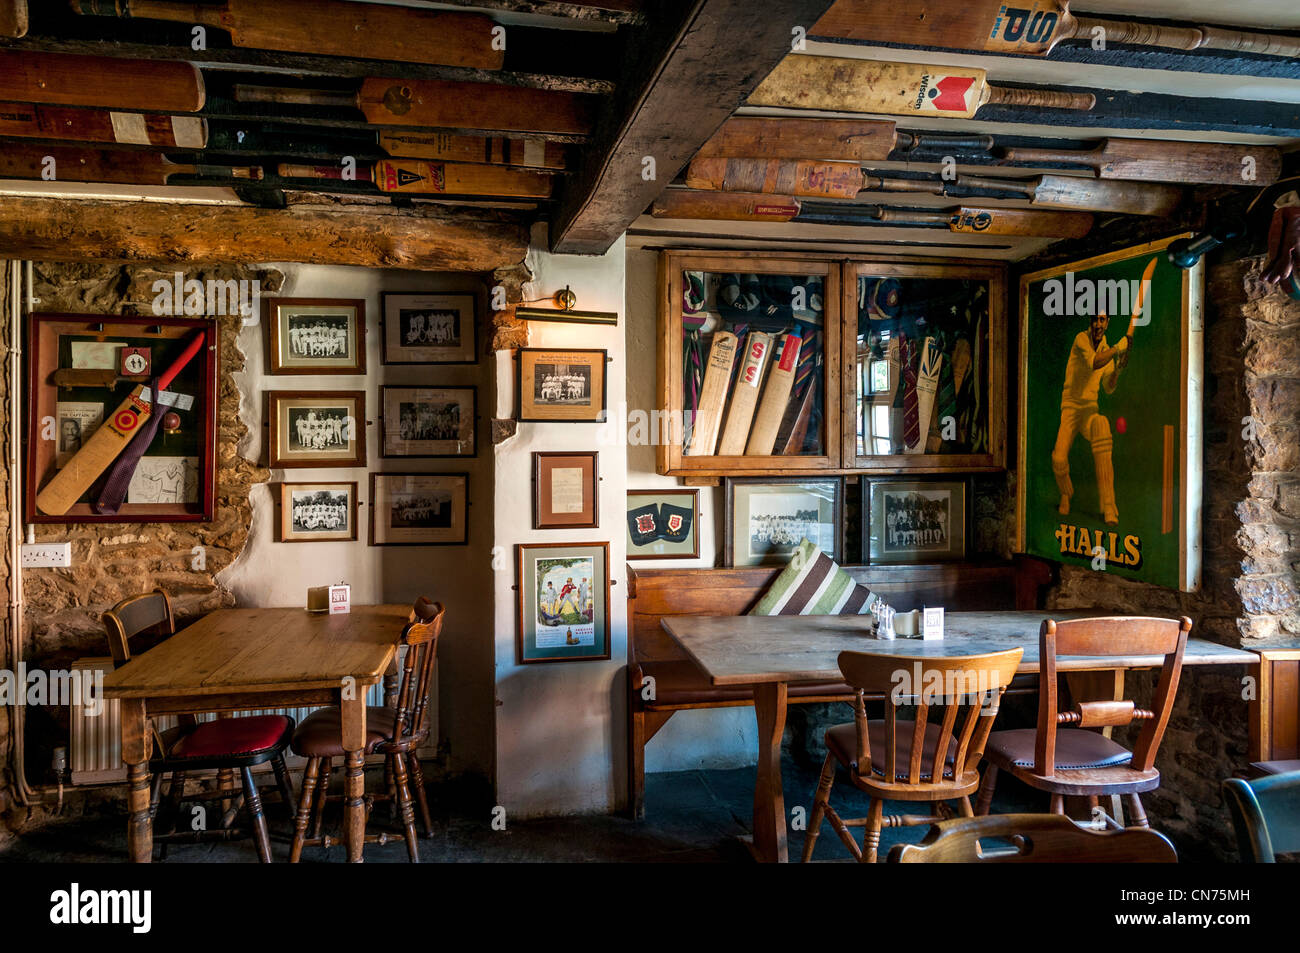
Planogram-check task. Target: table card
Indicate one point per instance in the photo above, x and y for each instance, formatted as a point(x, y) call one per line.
point(340, 599)
point(932, 625)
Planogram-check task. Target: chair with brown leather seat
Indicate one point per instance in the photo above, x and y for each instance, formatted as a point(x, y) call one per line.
point(896, 759)
point(396, 733)
point(227, 744)
point(1077, 761)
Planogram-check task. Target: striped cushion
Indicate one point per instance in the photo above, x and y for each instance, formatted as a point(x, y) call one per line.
point(813, 584)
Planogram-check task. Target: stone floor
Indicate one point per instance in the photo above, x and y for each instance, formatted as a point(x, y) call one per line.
point(691, 817)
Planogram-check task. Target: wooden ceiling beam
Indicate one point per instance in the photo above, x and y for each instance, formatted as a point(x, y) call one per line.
point(688, 73)
point(418, 239)
point(607, 11)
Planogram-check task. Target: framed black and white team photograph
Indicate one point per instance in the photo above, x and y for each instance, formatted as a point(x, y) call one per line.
point(914, 521)
point(765, 518)
point(317, 512)
point(315, 335)
point(316, 428)
point(428, 329)
point(419, 509)
point(561, 386)
point(428, 421)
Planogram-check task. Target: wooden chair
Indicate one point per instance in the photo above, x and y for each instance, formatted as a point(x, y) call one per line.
point(395, 732)
point(1266, 814)
point(1032, 839)
point(1077, 761)
point(910, 760)
point(227, 744)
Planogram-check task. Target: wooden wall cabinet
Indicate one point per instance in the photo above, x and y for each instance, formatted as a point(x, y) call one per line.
point(848, 409)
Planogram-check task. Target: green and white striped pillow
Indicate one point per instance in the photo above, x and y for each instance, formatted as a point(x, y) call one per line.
point(814, 584)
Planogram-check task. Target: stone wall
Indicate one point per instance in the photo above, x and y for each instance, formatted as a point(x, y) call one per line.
point(6, 328)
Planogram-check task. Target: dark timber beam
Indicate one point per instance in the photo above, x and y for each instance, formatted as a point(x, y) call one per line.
point(685, 76)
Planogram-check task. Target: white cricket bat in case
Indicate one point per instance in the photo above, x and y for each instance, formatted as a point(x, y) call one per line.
point(713, 395)
point(745, 397)
point(776, 396)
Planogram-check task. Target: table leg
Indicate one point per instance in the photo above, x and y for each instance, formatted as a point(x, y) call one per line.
point(354, 779)
point(136, 742)
point(769, 796)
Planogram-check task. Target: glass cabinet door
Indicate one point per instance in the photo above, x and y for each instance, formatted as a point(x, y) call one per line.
point(924, 344)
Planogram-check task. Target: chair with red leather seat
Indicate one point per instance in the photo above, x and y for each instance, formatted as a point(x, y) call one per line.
point(895, 759)
point(396, 733)
point(227, 744)
point(1076, 761)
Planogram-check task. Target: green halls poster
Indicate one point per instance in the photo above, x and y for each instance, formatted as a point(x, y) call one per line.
point(1110, 416)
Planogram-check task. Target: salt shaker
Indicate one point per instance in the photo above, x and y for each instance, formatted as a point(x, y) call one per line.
point(884, 621)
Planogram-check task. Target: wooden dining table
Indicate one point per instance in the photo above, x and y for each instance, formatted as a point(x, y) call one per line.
point(770, 652)
point(248, 659)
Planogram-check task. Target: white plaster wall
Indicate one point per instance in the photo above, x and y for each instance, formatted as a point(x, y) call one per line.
point(268, 573)
point(561, 726)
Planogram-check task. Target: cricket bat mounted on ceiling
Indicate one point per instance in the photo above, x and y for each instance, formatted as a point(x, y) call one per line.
point(839, 84)
point(131, 167)
point(27, 121)
point(481, 150)
point(107, 443)
point(445, 104)
point(1153, 160)
point(330, 28)
point(849, 140)
point(1028, 28)
point(74, 79)
point(434, 178)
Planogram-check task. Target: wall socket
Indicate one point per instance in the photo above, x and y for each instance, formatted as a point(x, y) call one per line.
point(46, 555)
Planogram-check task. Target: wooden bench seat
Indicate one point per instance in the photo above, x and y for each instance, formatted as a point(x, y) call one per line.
point(678, 684)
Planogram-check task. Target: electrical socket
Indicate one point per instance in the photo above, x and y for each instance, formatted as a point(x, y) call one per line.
point(46, 555)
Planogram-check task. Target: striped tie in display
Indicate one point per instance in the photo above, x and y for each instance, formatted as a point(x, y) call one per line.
point(911, 414)
point(947, 400)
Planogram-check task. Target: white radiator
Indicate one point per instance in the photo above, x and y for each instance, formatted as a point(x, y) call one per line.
point(96, 739)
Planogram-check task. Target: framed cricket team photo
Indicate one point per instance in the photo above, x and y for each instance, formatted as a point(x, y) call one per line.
point(316, 428)
point(317, 512)
point(315, 335)
point(914, 520)
point(428, 328)
point(1110, 416)
point(663, 524)
point(765, 518)
point(561, 386)
point(419, 509)
point(562, 602)
point(428, 421)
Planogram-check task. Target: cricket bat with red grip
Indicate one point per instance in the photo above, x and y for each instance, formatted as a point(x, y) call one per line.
point(105, 444)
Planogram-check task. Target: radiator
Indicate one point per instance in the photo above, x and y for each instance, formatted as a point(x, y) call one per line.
point(96, 739)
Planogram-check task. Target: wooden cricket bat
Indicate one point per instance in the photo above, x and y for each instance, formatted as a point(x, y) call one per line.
point(1031, 28)
point(433, 178)
point(850, 140)
point(744, 397)
point(26, 121)
point(747, 207)
point(776, 396)
point(445, 104)
point(73, 79)
point(1153, 160)
point(897, 89)
point(1048, 191)
point(13, 18)
point(927, 386)
point(330, 28)
point(130, 166)
point(105, 444)
point(484, 150)
point(713, 395)
point(793, 432)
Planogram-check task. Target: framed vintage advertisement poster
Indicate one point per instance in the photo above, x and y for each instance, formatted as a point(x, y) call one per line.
point(317, 512)
point(427, 421)
point(566, 492)
point(315, 335)
point(419, 509)
point(428, 329)
point(767, 517)
point(1110, 416)
point(562, 601)
point(914, 521)
point(663, 524)
point(561, 386)
point(310, 428)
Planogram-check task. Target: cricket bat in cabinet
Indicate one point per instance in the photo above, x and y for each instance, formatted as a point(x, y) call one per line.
point(433, 178)
point(776, 396)
point(744, 398)
point(481, 150)
point(713, 395)
point(802, 81)
point(107, 443)
point(927, 385)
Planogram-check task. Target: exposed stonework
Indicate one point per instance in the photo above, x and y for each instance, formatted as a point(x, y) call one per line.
point(6, 385)
point(507, 332)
